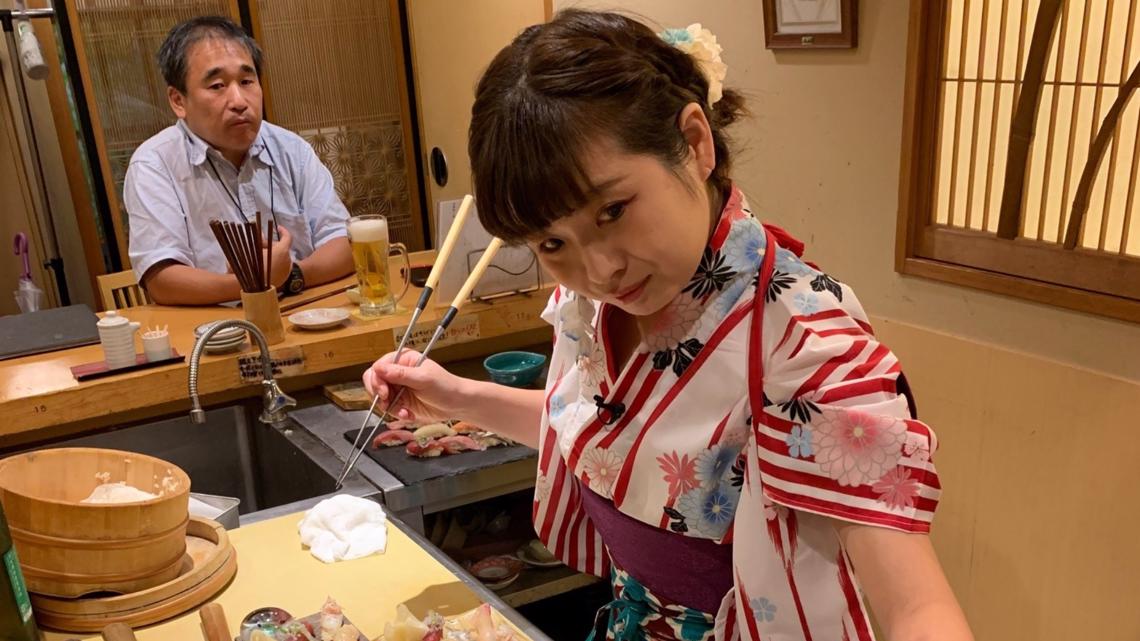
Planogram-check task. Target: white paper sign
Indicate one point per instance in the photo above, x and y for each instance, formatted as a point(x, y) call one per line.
point(514, 268)
point(286, 361)
point(462, 330)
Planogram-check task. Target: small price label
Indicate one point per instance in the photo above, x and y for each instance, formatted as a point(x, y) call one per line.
point(462, 330)
point(514, 318)
point(287, 361)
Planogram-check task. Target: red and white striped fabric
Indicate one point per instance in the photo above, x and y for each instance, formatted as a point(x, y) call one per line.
point(759, 409)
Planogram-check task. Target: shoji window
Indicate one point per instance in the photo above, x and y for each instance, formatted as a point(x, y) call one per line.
point(1021, 153)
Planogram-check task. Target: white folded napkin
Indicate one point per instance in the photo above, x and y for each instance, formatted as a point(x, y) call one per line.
point(343, 528)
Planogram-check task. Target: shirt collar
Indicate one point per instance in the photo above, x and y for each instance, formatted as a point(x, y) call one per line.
point(198, 149)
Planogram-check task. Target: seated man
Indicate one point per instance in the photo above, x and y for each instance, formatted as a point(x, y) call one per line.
point(221, 161)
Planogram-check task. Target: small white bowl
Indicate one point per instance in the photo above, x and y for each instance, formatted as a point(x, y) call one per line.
point(220, 334)
point(321, 318)
point(214, 350)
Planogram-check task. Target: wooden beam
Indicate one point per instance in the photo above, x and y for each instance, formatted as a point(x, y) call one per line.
point(68, 139)
point(920, 118)
point(396, 22)
point(1090, 270)
point(119, 246)
point(1035, 291)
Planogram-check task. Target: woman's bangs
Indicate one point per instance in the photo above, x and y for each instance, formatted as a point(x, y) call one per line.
point(533, 174)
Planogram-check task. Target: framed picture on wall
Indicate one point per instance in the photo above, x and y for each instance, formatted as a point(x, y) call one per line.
point(810, 24)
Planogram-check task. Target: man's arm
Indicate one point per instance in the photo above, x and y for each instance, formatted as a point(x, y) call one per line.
point(329, 262)
point(171, 283)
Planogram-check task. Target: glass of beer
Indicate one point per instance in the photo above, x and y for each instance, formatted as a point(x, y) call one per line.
point(370, 253)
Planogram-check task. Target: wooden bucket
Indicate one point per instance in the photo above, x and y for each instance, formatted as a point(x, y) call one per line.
point(68, 548)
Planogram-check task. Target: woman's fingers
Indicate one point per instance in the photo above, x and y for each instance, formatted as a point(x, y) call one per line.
point(374, 384)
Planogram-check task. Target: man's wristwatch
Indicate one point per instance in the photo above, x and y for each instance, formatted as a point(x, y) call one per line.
point(296, 281)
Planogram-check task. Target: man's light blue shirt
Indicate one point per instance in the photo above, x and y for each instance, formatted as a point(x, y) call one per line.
point(172, 192)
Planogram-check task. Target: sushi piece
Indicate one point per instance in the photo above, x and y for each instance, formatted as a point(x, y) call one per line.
point(332, 619)
point(463, 427)
point(459, 443)
point(425, 449)
point(433, 430)
point(489, 440)
point(392, 438)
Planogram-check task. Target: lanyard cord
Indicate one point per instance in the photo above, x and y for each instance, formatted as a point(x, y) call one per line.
point(241, 214)
point(224, 187)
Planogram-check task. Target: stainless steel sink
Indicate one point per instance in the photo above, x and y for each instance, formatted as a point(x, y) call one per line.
point(272, 471)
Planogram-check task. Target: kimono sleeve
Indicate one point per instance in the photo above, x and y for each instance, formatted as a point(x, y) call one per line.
point(836, 436)
point(550, 312)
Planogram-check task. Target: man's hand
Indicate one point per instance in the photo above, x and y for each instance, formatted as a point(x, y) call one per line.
point(282, 261)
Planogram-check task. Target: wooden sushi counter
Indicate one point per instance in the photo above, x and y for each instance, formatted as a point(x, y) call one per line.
point(42, 404)
point(274, 570)
point(41, 400)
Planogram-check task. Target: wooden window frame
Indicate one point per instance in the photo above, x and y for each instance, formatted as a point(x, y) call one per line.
point(1047, 273)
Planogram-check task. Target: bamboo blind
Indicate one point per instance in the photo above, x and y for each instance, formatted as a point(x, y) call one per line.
point(333, 72)
point(1095, 46)
point(121, 38)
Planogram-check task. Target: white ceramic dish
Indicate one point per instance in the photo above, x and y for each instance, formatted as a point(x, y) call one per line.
point(321, 318)
point(497, 572)
point(524, 554)
point(353, 294)
point(499, 585)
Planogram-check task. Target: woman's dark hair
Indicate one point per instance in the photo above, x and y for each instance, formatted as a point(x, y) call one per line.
point(175, 50)
point(560, 86)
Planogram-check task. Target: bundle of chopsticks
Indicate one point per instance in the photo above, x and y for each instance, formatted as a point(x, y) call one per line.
point(249, 254)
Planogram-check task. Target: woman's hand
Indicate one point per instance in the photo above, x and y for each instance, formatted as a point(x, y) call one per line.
point(431, 393)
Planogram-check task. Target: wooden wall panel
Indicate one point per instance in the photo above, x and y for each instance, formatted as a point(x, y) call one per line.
point(1036, 529)
point(336, 74)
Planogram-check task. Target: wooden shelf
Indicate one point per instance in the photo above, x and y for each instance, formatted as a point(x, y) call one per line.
point(536, 584)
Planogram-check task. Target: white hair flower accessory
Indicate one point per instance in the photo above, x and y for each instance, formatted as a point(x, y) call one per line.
point(700, 43)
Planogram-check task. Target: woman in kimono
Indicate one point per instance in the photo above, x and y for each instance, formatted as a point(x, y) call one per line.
point(721, 435)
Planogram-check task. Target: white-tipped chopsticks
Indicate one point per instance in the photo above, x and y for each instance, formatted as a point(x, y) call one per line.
point(429, 286)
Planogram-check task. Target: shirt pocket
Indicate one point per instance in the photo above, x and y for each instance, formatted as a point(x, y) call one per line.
point(288, 212)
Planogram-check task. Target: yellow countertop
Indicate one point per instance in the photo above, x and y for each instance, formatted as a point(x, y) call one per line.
point(274, 569)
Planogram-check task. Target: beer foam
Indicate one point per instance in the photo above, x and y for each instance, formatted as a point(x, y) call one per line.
point(368, 230)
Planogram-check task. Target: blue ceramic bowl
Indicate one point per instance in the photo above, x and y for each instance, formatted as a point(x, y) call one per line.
point(516, 369)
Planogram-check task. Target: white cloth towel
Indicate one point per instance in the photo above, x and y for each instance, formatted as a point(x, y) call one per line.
point(343, 528)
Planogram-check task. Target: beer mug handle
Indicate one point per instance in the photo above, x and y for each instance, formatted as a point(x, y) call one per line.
point(400, 248)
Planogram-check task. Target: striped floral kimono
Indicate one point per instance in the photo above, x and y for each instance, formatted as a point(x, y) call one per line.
point(757, 411)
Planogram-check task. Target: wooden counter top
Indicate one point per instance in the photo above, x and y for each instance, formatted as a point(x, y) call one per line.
point(39, 398)
point(274, 569)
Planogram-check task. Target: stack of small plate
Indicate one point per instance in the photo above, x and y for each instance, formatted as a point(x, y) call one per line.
point(225, 340)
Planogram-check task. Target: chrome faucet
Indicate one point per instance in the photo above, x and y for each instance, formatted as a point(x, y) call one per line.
point(275, 401)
